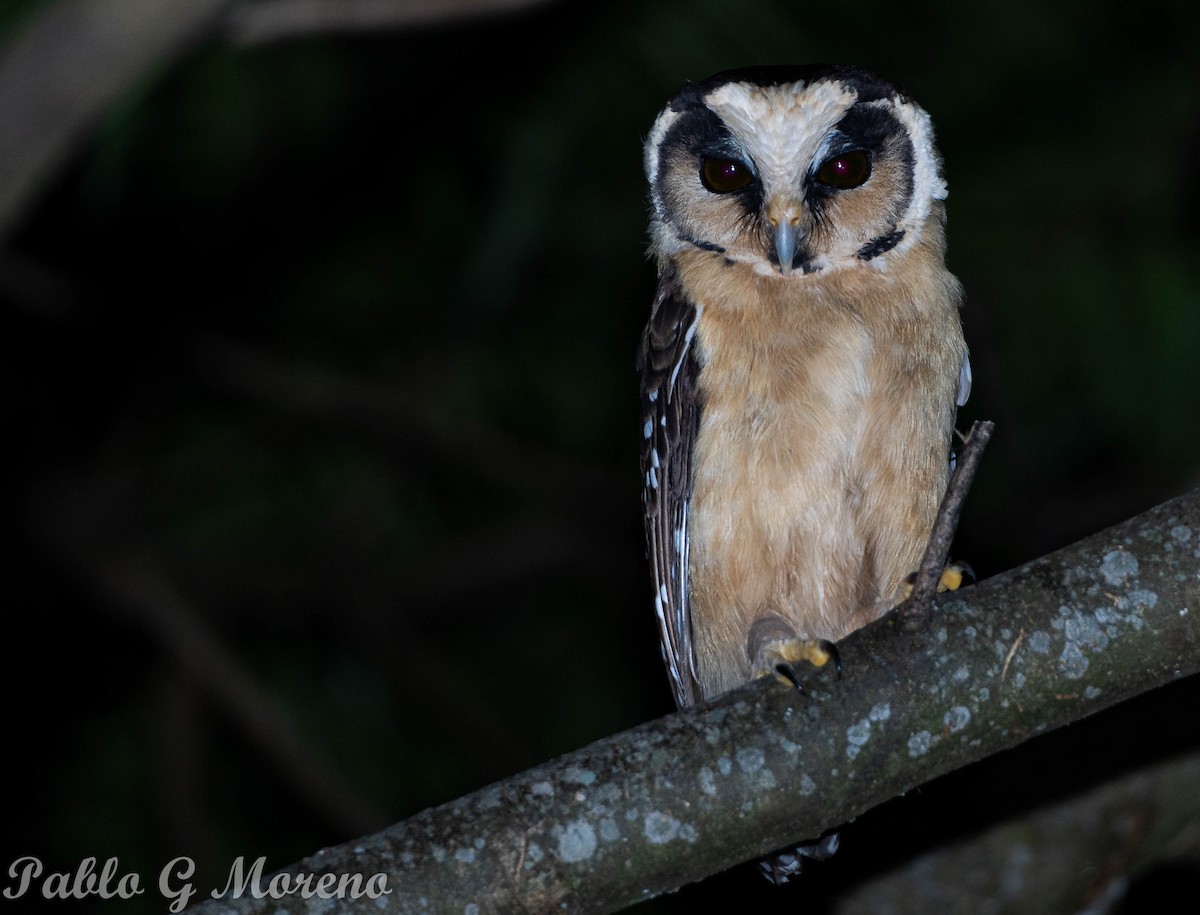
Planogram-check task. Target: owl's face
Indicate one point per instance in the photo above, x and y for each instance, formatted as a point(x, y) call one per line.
point(793, 170)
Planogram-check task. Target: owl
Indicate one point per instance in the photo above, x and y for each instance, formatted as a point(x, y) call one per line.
point(801, 367)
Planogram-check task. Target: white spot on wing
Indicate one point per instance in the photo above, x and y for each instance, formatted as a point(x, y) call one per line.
point(964, 380)
point(687, 342)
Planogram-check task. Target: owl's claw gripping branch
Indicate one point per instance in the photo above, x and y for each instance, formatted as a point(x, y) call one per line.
point(953, 575)
point(817, 652)
point(774, 648)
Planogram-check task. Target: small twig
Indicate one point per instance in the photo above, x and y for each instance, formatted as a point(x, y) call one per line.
point(1011, 654)
point(63, 69)
point(938, 550)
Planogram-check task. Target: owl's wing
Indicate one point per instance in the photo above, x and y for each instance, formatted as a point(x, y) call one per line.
point(670, 419)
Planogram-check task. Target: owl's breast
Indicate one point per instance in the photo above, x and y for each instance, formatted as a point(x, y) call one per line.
point(819, 462)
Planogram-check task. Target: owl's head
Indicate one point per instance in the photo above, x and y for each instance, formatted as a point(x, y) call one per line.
point(793, 170)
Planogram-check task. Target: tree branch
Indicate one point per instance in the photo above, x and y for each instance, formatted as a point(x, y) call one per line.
point(59, 76)
point(277, 20)
point(1077, 854)
point(693, 793)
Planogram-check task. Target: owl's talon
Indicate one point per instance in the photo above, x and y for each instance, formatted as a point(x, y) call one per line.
point(774, 650)
point(953, 575)
point(966, 571)
point(952, 578)
point(786, 673)
point(834, 655)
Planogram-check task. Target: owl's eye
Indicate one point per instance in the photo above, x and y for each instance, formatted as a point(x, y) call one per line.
point(723, 176)
point(850, 169)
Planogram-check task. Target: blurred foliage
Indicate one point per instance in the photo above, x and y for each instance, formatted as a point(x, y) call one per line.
point(337, 337)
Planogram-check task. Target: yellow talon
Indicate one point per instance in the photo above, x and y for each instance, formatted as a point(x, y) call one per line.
point(953, 575)
point(951, 579)
point(780, 658)
point(774, 648)
point(815, 651)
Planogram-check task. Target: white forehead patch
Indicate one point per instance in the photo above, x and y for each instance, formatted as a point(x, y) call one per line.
point(782, 127)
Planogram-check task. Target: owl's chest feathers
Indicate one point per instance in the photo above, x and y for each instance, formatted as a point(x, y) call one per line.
point(820, 457)
point(786, 399)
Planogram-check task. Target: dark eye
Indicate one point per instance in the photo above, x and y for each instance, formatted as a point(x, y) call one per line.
point(850, 169)
point(723, 176)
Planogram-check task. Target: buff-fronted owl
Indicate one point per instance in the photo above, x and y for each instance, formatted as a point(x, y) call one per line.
point(801, 367)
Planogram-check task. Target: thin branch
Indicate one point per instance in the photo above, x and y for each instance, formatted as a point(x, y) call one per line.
point(278, 20)
point(937, 552)
point(59, 76)
point(676, 799)
point(402, 414)
point(64, 71)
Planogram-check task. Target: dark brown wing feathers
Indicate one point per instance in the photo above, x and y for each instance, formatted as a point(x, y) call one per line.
point(670, 417)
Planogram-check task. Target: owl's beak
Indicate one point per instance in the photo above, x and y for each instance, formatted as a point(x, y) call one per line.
point(785, 245)
point(785, 222)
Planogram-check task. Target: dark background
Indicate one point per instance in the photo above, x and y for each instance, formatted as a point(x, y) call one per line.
point(322, 421)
